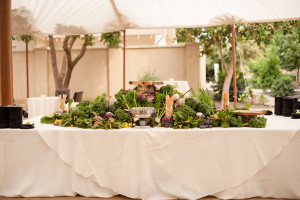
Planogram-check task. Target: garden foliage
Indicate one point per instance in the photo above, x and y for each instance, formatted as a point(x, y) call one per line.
point(288, 50)
point(282, 87)
point(267, 74)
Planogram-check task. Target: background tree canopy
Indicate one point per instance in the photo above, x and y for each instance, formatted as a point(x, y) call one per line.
point(288, 50)
point(260, 34)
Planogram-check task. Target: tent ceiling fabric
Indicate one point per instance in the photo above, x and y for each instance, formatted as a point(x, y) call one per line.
point(69, 17)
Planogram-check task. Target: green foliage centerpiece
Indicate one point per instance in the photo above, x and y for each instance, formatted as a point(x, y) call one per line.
point(197, 111)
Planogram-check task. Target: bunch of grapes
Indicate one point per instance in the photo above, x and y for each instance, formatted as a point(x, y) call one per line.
point(167, 122)
point(208, 123)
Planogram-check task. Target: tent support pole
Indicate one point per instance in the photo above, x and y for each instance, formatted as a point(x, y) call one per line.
point(234, 67)
point(6, 53)
point(124, 51)
point(27, 74)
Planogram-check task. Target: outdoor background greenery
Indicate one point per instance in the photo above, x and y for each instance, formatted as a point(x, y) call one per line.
point(263, 49)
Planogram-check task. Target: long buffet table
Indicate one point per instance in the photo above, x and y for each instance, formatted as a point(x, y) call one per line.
point(152, 163)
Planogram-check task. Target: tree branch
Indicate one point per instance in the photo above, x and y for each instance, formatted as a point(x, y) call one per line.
point(71, 63)
point(71, 42)
point(67, 78)
point(67, 51)
point(80, 55)
point(218, 43)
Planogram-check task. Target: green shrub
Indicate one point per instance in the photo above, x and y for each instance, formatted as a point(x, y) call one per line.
point(262, 99)
point(254, 82)
point(242, 98)
point(282, 87)
point(265, 71)
point(292, 76)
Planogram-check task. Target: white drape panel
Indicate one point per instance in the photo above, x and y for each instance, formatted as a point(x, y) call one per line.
point(164, 163)
point(29, 168)
point(152, 163)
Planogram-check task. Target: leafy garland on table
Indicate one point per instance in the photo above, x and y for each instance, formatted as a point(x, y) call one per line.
point(197, 111)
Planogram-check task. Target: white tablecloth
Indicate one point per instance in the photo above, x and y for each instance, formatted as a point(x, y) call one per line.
point(180, 86)
point(42, 106)
point(154, 163)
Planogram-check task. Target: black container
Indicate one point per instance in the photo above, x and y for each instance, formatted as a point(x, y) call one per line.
point(15, 112)
point(296, 100)
point(296, 103)
point(4, 123)
point(295, 116)
point(297, 106)
point(4, 112)
point(278, 105)
point(288, 105)
point(4, 117)
point(15, 123)
point(15, 116)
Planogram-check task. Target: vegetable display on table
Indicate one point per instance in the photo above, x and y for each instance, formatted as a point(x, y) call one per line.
point(257, 122)
point(197, 111)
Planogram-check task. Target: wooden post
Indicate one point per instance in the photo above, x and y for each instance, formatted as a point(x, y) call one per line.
point(124, 50)
point(27, 75)
point(234, 68)
point(6, 53)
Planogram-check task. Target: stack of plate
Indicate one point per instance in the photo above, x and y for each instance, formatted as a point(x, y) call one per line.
point(11, 116)
point(15, 116)
point(4, 117)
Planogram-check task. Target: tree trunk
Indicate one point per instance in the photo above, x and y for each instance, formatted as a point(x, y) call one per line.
point(57, 78)
point(63, 68)
point(226, 85)
point(67, 78)
point(229, 72)
point(228, 78)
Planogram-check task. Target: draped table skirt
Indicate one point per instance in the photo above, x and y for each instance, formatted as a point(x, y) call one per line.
point(154, 163)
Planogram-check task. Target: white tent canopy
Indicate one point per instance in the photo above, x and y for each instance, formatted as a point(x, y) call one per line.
point(67, 17)
point(74, 17)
